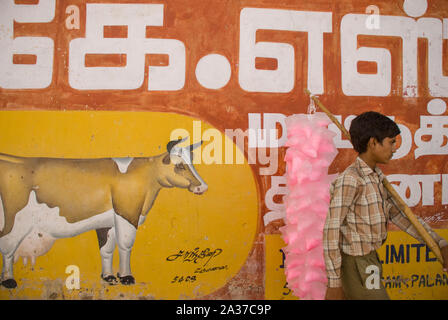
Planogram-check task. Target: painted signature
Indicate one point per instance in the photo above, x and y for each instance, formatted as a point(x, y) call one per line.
point(195, 255)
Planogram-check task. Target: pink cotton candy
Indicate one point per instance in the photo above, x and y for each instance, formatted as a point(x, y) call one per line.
point(312, 276)
point(312, 243)
point(310, 152)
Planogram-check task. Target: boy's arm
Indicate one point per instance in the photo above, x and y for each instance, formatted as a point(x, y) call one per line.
point(343, 193)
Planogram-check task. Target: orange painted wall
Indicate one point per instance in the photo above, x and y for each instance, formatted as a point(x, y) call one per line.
point(215, 27)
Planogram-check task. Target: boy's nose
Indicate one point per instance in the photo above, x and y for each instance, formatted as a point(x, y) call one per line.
point(394, 148)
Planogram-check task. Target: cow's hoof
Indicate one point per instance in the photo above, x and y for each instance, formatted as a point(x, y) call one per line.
point(126, 280)
point(10, 283)
point(110, 279)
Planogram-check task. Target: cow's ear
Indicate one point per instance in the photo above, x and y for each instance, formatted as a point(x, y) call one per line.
point(166, 159)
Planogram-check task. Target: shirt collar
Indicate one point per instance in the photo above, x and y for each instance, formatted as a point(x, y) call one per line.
point(365, 170)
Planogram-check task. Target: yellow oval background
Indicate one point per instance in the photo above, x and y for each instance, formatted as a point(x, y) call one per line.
point(225, 217)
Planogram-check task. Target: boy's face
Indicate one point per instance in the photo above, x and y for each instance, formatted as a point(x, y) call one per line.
point(383, 151)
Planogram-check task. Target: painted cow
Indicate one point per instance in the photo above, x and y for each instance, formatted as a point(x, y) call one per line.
point(46, 199)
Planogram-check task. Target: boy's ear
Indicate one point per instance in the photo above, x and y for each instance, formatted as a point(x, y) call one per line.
point(166, 159)
point(372, 142)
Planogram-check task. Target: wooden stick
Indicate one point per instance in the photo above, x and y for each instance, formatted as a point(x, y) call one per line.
point(407, 211)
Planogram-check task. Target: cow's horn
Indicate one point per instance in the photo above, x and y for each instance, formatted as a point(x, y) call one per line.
point(194, 146)
point(172, 143)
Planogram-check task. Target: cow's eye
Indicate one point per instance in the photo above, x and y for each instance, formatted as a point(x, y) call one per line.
point(180, 166)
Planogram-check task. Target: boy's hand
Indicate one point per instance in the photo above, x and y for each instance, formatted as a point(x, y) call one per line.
point(444, 252)
point(335, 294)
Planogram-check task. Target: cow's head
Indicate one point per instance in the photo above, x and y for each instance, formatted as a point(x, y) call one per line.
point(178, 169)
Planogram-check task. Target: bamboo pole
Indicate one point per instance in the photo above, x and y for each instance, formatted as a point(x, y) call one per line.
point(407, 211)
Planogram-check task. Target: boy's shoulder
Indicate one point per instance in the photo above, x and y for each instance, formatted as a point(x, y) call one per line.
point(353, 169)
point(351, 175)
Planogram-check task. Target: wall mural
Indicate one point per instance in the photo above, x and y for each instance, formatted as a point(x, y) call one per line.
point(142, 142)
point(41, 206)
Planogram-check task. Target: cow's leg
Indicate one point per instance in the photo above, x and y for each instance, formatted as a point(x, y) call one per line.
point(106, 241)
point(7, 271)
point(8, 246)
point(125, 235)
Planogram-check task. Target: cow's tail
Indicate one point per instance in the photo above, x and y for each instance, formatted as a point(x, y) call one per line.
point(8, 158)
point(2, 215)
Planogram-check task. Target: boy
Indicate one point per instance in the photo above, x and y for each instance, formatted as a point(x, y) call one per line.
point(360, 207)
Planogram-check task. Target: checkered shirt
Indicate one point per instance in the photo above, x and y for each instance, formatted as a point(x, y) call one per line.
point(356, 223)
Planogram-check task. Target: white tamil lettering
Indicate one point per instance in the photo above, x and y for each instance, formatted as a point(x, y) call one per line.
point(276, 210)
point(135, 18)
point(444, 189)
point(355, 83)
point(339, 142)
point(432, 29)
point(409, 30)
point(417, 192)
point(283, 78)
point(37, 71)
point(436, 128)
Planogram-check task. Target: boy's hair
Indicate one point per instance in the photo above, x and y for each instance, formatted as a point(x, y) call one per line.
point(371, 124)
